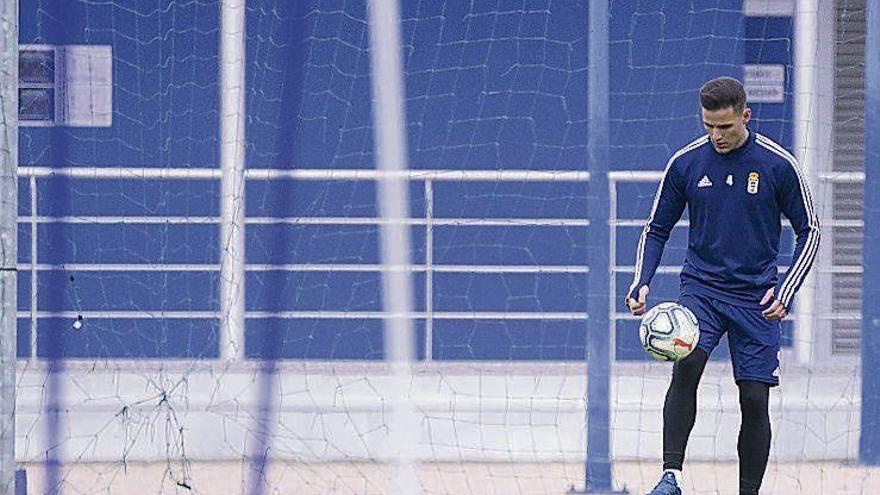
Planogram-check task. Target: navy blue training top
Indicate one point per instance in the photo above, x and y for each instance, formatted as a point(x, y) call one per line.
point(735, 202)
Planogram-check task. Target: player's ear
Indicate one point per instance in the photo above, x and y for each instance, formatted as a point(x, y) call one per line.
point(747, 115)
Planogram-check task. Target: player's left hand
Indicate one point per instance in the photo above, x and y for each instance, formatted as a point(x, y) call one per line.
point(777, 310)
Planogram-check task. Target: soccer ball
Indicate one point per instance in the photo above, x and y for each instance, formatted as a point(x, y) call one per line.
point(669, 332)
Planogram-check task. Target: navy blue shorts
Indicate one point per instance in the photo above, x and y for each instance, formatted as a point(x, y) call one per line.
point(754, 340)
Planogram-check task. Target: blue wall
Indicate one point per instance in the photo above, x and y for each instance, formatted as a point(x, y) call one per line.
point(165, 97)
point(489, 85)
point(165, 114)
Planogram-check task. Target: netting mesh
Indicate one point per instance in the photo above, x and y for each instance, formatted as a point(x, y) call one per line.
point(121, 388)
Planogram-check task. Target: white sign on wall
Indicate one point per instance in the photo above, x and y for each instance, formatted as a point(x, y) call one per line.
point(769, 8)
point(88, 85)
point(764, 83)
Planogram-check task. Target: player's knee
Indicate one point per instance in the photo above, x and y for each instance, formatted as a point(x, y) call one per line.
point(688, 371)
point(754, 398)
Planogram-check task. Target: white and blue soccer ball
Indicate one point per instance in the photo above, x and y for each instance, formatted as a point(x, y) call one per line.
point(669, 332)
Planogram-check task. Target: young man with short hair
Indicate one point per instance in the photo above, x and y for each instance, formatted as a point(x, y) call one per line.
point(736, 185)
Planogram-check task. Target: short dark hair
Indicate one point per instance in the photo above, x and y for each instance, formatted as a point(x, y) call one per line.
point(723, 92)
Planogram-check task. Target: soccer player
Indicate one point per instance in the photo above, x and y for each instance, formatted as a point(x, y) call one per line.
point(736, 185)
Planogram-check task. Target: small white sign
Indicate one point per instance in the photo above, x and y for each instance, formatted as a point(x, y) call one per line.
point(88, 85)
point(764, 83)
point(768, 8)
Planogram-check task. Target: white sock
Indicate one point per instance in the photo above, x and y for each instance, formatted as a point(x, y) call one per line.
point(675, 473)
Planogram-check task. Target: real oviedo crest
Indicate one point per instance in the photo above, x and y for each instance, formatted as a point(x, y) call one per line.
point(752, 183)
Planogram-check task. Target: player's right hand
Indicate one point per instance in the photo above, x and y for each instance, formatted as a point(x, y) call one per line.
point(637, 308)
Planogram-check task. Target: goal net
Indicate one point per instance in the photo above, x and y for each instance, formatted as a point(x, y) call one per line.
point(126, 382)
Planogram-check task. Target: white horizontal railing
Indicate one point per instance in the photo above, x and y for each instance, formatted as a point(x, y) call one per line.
point(308, 174)
point(328, 267)
point(655, 176)
point(147, 314)
point(210, 220)
point(843, 177)
point(428, 177)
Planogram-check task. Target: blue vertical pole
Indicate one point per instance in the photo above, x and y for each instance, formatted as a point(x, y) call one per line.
point(598, 464)
point(869, 443)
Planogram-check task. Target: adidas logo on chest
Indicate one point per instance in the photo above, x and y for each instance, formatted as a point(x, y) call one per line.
point(704, 182)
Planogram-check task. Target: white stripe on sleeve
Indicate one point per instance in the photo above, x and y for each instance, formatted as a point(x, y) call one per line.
point(640, 250)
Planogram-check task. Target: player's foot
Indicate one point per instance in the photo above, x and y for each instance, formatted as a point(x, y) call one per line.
point(667, 486)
